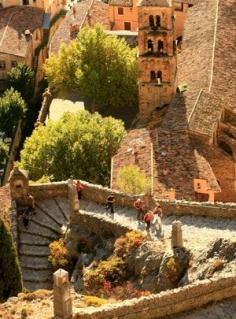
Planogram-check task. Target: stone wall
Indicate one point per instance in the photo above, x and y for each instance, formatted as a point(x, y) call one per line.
point(165, 303)
point(49, 190)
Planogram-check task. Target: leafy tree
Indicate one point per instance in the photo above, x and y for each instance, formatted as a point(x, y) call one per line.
point(131, 179)
point(10, 276)
point(79, 144)
point(21, 78)
point(3, 151)
point(12, 109)
point(100, 67)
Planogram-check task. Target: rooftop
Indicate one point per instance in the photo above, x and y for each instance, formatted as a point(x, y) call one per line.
point(86, 12)
point(156, 3)
point(14, 21)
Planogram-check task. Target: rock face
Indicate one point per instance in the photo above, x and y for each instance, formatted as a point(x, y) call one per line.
point(221, 255)
point(172, 269)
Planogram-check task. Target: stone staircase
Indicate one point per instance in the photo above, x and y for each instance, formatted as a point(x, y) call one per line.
point(44, 227)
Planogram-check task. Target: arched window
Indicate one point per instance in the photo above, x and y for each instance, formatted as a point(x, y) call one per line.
point(158, 21)
point(159, 75)
point(160, 46)
point(150, 45)
point(153, 76)
point(151, 21)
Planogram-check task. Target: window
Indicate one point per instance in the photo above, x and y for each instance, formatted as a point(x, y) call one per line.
point(151, 21)
point(127, 25)
point(150, 45)
point(13, 64)
point(153, 76)
point(2, 65)
point(25, 2)
point(160, 46)
point(159, 75)
point(158, 21)
point(120, 11)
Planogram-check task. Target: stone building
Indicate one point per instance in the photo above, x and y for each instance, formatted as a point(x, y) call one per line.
point(193, 140)
point(157, 55)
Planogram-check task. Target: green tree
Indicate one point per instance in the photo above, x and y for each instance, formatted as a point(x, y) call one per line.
point(21, 78)
point(3, 151)
point(100, 67)
point(12, 109)
point(131, 179)
point(78, 144)
point(10, 275)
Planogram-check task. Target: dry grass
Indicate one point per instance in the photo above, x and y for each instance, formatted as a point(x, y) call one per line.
point(38, 294)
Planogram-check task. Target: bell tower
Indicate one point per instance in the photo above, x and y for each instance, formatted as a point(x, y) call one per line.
point(157, 55)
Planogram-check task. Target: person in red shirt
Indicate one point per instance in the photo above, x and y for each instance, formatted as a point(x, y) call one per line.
point(139, 206)
point(148, 218)
point(79, 188)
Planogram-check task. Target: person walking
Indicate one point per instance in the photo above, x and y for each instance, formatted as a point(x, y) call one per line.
point(79, 188)
point(158, 210)
point(139, 206)
point(148, 218)
point(156, 225)
point(110, 204)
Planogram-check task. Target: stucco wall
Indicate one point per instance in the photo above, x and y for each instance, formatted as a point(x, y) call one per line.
point(49, 190)
point(165, 303)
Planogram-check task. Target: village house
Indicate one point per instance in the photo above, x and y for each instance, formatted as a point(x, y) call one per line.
point(123, 15)
point(187, 146)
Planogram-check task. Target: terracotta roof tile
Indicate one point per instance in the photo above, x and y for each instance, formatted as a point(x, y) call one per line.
point(13, 23)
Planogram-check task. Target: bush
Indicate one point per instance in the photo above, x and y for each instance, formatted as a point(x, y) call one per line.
point(59, 255)
point(10, 275)
point(125, 244)
point(130, 179)
point(111, 270)
point(173, 269)
point(94, 301)
point(38, 294)
point(3, 151)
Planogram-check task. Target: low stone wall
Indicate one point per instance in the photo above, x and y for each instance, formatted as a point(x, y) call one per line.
point(49, 190)
point(165, 303)
point(217, 210)
point(101, 225)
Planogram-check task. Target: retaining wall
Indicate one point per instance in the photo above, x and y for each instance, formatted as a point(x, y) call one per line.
point(165, 303)
point(49, 190)
point(99, 194)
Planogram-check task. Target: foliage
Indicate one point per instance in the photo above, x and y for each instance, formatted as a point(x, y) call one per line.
point(125, 244)
point(111, 270)
point(3, 151)
point(59, 256)
point(21, 78)
point(173, 269)
point(10, 275)
point(12, 109)
point(78, 145)
point(123, 292)
point(130, 179)
point(94, 301)
point(37, 294)
point(216, 265)
point(99, 67)
point(44, 179)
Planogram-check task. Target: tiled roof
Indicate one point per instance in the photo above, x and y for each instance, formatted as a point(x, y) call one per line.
point(5, 204)
point(78, 16)
point(156, 3)
point(121, 3)
point(13, 23)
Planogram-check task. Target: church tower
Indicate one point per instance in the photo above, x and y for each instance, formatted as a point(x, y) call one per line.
point(157, 55)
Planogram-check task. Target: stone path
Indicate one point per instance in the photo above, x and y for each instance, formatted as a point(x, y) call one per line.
point(44, 227)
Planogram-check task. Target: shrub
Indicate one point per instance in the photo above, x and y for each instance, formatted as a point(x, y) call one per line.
point(59, 255)
point(111, 270)
point(38, 294)
point(10, 275)
point(216, 265)
point(94, 301)
point(3, 151)
point(131, 179)
point(125, 244)
point(172, 269)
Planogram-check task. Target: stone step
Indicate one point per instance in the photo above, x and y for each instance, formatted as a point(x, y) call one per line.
point(40, 240)
point(31, 286)
point(29, 235)
point(63, 207)
point(53, 207)
point(25, 242)
point(34, 250)
point(44, 216)
point(34, 261)
point(36, 275)
point(55, 230)
point(36, 228)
